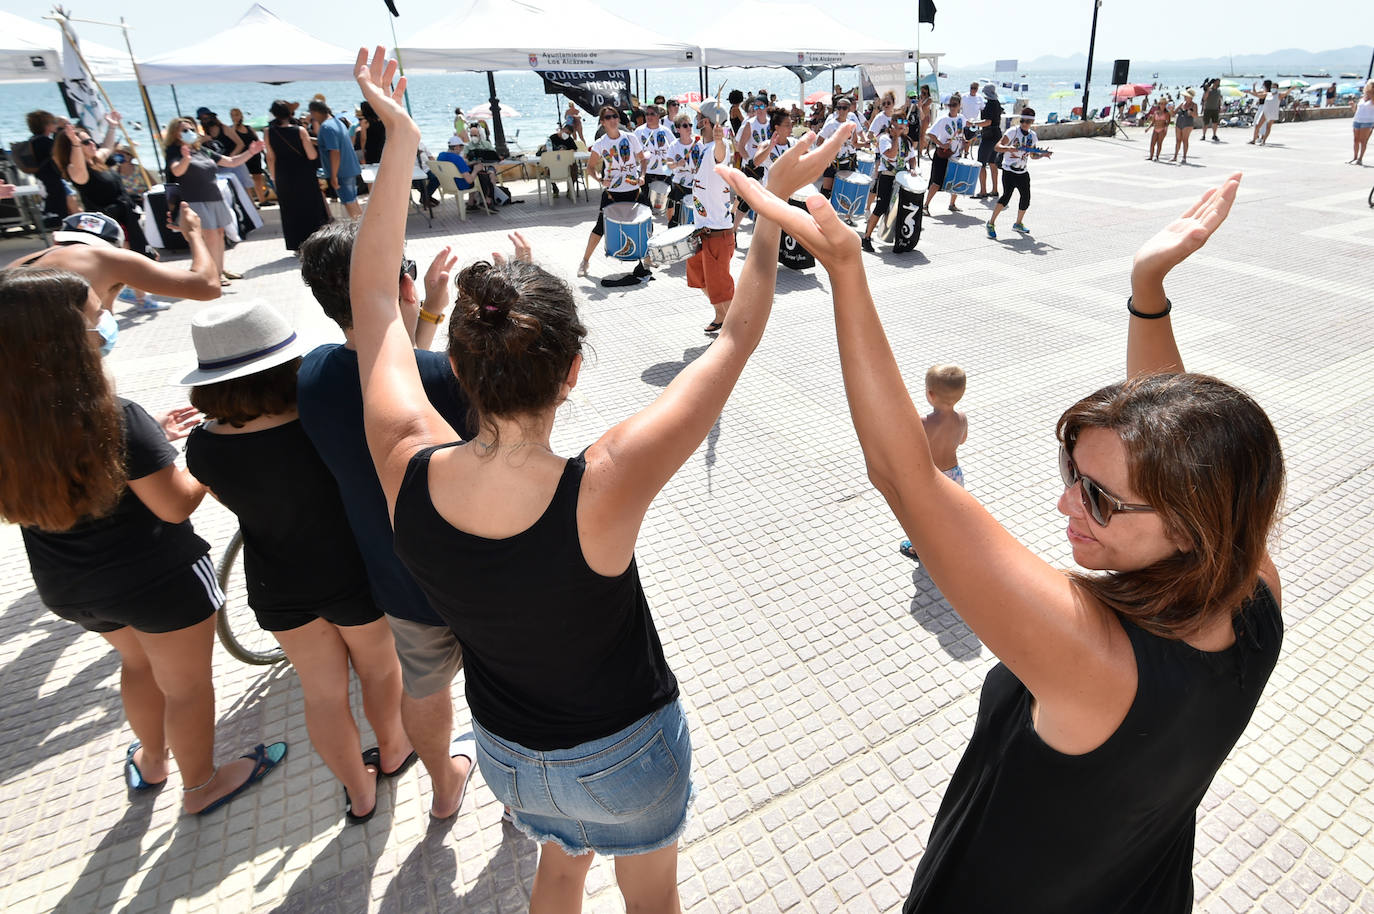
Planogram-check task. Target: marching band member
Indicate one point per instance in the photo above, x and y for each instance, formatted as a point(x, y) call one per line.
point(947, 136)
point(847, 157)
point(655, 137)
point(709, 268)
point(896, 153)
point(752, 134)
point(1018, 145)
point(780, 123)
point(685, 155)
point(624, 159)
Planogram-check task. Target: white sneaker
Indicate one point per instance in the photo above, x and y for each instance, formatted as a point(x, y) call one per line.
point(149, 305)
point(582, 268)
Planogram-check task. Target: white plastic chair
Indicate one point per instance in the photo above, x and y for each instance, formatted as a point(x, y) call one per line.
point(448, 175)
point(557, 165)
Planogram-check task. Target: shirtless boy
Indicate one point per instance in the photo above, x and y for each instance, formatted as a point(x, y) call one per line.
point(946, 427)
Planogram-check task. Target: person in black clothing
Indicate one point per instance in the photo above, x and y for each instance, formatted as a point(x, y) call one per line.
point(548, 594)
point(371, 136)
point(247, 137)
point(101, 190)
point(43, 125)
point(1120, 692)
point(306, 580)
point(292, 160)
point(989, 159)
point(107, 533)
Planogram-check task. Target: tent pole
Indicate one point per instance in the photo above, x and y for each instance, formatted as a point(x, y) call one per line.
point(501, 148)
point(400, 67)
point(176, 101)
point(154, 130)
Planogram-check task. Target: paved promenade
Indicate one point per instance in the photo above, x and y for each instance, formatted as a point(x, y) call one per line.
point(829, 686)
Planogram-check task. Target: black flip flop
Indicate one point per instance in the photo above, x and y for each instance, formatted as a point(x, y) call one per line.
point(373, 758)
point(133, 778)
point(400, 769)
point(714, 326)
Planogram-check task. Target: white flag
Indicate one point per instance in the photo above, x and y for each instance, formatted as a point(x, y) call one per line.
point(79, 85)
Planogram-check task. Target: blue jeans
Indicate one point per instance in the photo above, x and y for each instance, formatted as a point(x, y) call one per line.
point(620, 795)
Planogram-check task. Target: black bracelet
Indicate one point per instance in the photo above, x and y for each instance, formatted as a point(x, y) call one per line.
point(1168, 306)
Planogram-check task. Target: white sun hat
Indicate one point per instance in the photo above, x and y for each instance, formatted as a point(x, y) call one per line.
point(237, 340)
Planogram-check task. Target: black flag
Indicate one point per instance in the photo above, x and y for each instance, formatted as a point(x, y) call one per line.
point(590, 89)
point(926, 13)
point(391, 5)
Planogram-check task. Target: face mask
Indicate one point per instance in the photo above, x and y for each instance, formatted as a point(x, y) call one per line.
point(108, 328)
point(189, 137)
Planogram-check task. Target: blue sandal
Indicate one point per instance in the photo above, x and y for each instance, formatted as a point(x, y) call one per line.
point(266, 758)
point(906, 550)
point(132, 776)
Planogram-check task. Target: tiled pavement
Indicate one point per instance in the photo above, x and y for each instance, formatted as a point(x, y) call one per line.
point(829, 686)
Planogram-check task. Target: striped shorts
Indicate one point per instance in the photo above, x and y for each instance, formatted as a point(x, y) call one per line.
point(179, 599)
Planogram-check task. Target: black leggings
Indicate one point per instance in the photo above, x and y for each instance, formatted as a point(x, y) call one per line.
point(1018, 181)
point(676, 193)
point(607, 198)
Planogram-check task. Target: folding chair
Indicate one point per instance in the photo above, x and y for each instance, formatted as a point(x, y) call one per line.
point(557, 165)
point(449, 176)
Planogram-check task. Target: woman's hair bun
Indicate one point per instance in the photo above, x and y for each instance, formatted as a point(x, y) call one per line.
point(487, 292)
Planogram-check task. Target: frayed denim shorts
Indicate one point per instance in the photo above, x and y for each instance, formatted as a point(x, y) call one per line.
point(620, 795)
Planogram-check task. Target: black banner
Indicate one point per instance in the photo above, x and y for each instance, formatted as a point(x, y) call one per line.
point(926, 11)
point(589, 89)
point(806, 74)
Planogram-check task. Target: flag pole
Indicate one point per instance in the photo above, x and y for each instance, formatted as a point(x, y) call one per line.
point(61, 20)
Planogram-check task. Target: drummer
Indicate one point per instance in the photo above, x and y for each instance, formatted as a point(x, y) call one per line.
point(684, 155)
point(780, 123)
point(751, 135)
point(947, 137)
point(624, 160)
point(709, 268)
point(848, 154)
point(881, 118)
point(655, 137)
point(896, 153)
point(1018, 146)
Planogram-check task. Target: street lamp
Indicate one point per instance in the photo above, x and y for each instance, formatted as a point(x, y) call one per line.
point(1087, 79)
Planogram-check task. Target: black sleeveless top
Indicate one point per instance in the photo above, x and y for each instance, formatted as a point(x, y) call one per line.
point(1025, 828)
point(555, 654)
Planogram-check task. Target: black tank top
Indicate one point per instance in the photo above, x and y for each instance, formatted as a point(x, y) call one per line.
point(1025, 828)
point(555, 654)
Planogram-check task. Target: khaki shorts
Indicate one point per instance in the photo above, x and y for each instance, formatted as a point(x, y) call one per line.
point(430, 656)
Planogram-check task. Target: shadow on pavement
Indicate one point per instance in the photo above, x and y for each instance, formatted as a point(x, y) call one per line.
point(104, 866)
point(503, 886)
point(933, 612)
point(661, 374)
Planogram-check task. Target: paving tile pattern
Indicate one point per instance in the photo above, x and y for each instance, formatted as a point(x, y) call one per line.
point(830, 687)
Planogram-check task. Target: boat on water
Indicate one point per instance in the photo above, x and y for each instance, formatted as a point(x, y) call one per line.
point(1349, 76)
point(1289, 75)
point(1322, 75)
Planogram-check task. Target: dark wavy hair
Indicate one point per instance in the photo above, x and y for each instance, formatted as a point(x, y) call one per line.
point(512, 339)
point(325, 259)
point(62, 154)
point(61, 428)
point(238, 401)
point(1205, 456)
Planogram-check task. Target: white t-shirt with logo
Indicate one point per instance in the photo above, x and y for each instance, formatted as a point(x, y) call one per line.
point(751, 136)
point(1022, 141)
point(710, 193)
point(685, 158)
point(656, 141)
point(828, 130)
point(948, 129)
point(621, 158)
point(775, 152)
point(905, 156)
point(972, 108)
point(879, 123)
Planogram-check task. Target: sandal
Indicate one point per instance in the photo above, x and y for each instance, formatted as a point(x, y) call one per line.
point(906, 550)
point(954, 209)
point(372, 758)
point(466, 748)
point(132, 776)
point(400, 769)
point(714, 326)
point(266, 758)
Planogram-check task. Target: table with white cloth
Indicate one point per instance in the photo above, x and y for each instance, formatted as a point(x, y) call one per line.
point(246, 216)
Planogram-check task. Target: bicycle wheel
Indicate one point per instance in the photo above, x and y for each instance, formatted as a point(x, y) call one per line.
point(249, 643)
point(1371, 196)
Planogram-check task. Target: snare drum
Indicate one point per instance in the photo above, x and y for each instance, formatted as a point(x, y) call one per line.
point(658, 197)
point(850, 194)
point(961, 177)
point(865, 163)
point(674, 245)
point(628, 226)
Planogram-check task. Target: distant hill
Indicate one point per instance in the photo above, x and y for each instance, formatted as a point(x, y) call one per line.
point(1285, 57)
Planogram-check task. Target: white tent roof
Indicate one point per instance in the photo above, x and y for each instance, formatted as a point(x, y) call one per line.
point(258, 48)
point(770, 35)
point(30, 51)
point(540, 35)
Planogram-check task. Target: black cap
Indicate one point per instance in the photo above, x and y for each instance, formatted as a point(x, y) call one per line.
point(1028, 112)
point(202, 111)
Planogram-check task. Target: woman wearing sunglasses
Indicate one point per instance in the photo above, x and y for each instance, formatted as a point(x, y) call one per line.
point(1122, 687)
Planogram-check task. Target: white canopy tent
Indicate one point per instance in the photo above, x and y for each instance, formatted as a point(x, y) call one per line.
point(540, 35)
point(259, 48)
point(32, 52)
point(767, 35)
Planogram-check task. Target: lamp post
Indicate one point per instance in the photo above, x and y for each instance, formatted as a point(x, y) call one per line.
point(1087, 79)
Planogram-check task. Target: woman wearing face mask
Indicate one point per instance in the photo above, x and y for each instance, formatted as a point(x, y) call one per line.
point(194, 170)
point(106, 530)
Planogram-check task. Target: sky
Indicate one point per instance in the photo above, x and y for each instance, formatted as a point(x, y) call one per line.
point(968, 31)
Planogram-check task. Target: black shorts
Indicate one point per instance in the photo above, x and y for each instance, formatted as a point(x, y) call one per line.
point(177, 600)
point(358, 609)
point(987, 152)
point(938, 168)
point(1211, 116)
point(843, 163)
point(607, 198)
point(255, 165)
point(883, 188)
point(750, 171)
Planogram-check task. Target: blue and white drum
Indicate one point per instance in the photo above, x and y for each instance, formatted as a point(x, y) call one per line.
point(628, 226)
point(849, 196)
point(686, 212)
point(865, 163)
point(961, 176)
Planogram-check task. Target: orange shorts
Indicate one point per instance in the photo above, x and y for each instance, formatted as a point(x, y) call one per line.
point(709, 268)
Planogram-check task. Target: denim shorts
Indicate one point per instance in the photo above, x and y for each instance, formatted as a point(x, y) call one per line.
point(620, 795)
point(1363, 125)
point(348, 189)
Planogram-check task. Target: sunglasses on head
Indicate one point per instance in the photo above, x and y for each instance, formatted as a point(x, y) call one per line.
point(408, 268)
point(1097, 501)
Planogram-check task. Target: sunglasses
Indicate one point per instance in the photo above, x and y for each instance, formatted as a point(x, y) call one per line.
point(609, 117)
point(899, 121)
point(88, 142)
point(408, 268)
point(1097, 501)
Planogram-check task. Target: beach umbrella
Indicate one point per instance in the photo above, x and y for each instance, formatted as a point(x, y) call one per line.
point(1292, 84)
point(1350, 89)
point(483, 112)
point(1121, 93)
point(690, 98)
point(1229, 82)
point(1062, 93)
point(814, 97)
point(1230, 92)
point(257, 123)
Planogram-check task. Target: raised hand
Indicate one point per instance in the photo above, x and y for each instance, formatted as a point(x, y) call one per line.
point(802, 165)
point(374, 78)
point(522, 250)
point(819, 228)
point(1176, 241)
point(437, 276)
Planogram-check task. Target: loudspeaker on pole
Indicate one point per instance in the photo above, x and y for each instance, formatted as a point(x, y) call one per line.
point(1121, 72)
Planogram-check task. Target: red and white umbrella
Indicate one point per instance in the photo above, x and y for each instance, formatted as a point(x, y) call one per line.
point(821, 97)
point(1134, 90)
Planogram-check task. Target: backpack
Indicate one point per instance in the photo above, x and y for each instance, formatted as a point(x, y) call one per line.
point(24, 159)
